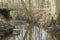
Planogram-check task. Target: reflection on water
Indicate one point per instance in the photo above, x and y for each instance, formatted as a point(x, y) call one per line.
point(44, 34)
point(37, 34)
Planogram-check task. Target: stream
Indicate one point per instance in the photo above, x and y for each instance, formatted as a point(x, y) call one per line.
point(37, 34)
